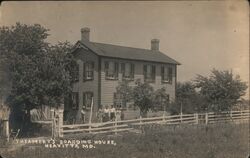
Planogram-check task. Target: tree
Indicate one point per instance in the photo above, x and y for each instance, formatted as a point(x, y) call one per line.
point(221, 89)
point(142, 96)
point(125, 92)
point(188, 100)
point(160, 99)
point(40, 73)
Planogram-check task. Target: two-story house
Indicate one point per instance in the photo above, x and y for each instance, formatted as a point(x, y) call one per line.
point(103, 66)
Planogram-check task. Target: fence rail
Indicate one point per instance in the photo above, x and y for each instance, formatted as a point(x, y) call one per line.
point(127, 125)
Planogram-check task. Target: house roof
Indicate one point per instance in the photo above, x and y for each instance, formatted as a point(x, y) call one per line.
point(115, 51)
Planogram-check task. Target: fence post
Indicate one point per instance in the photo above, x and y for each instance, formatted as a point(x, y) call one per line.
point(163, 117)
point(6, 129)
point(115, 123)
point(140, 121)
point(231, 115)
point(60, 123)
point(241, 119)
point(90, 128)
point(52, 112)
point(206, 118)
point(196, 118)
point(181, 116)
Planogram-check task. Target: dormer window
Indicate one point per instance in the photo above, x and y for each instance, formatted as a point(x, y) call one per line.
point(127, 70)
point(111, 70)
point(88, 69)
point(166, 74)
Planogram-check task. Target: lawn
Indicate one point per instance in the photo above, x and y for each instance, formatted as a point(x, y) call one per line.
point(188, 141)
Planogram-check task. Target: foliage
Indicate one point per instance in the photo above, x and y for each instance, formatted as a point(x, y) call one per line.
point(160, 99)
point(142, 96)
point(221, 89)
point(188, 100)
point(40, 73)
point(125, 91)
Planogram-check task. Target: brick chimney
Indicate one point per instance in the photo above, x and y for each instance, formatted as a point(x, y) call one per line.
point(155, 44)
point(85, 33)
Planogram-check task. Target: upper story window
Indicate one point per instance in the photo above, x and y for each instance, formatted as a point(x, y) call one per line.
point(87, 99)
point(127, 71)
point(149, 73)
point(111, 70)
point(166, 74)
point(88, 70)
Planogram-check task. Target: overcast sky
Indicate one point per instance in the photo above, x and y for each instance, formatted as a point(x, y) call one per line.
point(201, 35)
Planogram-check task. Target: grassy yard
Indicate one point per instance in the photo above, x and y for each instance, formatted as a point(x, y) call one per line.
point(214, 141)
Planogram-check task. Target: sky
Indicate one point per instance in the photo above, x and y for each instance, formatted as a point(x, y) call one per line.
point(201, 35)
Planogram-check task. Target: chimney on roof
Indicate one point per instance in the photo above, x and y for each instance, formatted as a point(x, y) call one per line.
point(155, 44)
point(85, 33)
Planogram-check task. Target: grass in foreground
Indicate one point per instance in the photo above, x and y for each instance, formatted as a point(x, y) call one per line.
point(213, 141)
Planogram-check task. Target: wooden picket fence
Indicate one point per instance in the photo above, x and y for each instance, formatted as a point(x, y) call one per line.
point(129, 125)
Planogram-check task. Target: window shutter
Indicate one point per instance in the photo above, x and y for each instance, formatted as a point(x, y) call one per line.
point(170, 74)
point(84, 71)
point(70, 99)
point(76, 75)
point(116, 70)
point(132, 70)
point(153, 72)
point(106, 67)
point(75, 100)
point(115, 99)
point(84, 100)
point(162, 73)
point(123, 69)
point(145, 71)
point(93, 67)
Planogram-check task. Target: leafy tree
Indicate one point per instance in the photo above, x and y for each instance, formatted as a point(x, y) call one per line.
point(221, 89)
point(142, 96)
point(160, 99)
point(188, 100)
point(125, 92)
point(40, 74)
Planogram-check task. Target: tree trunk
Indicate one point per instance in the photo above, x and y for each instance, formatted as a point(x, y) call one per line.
point(143, 114)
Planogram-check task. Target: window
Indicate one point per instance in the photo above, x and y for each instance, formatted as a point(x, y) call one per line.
point(149, 73)
point(88, 71)
point(127, 71)
point(117, 100)
point(166, 74)
point(87, 99)
point(111, 69)
point(75, 100)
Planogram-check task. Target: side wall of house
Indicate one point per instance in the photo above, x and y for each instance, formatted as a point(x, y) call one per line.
point(87, 86)
point(108, 87)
